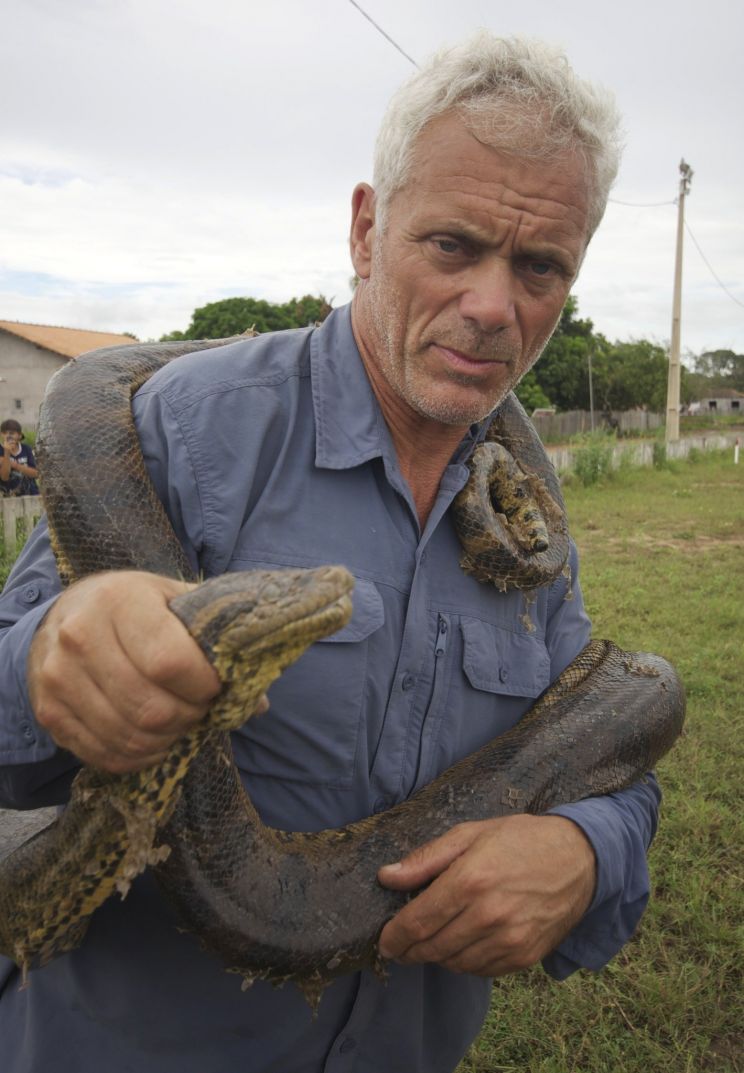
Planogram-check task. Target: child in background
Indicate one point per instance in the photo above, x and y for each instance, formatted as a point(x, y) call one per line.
point(17, 463)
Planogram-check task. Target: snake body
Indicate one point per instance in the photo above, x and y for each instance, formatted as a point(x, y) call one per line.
point(300, 907)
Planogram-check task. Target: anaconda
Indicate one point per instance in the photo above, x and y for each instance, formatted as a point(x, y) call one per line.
point(301, 907)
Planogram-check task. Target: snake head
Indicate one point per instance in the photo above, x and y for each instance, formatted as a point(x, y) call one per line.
point(252, 624)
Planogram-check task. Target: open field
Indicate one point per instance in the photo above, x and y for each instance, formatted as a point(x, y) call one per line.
point(662, 570)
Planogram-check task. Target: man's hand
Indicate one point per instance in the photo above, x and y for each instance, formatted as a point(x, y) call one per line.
point(113, 675)
point(502, 894)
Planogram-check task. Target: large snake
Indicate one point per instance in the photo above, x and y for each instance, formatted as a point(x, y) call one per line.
point(271, 905)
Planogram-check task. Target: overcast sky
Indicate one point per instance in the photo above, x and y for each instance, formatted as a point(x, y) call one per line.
point(156, 155)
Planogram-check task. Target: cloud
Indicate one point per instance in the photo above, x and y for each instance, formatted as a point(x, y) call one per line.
point(159, 156)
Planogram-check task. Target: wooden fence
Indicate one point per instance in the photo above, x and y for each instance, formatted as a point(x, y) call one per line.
point(557, 427)
point(19, 515)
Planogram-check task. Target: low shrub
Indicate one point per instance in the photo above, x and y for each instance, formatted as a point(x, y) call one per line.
point(592, 458)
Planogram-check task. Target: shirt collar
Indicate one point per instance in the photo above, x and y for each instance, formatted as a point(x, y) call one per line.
point(349, 426)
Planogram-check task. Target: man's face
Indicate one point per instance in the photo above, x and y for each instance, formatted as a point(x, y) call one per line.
point(463, 288)
point(11, 439)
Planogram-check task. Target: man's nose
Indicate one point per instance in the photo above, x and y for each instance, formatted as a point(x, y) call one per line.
point(489, 296)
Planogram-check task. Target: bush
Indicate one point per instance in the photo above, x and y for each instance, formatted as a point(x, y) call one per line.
point(592, 458)
point(659, 456)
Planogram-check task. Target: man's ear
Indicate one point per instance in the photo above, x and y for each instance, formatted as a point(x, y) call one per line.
point(361, 239)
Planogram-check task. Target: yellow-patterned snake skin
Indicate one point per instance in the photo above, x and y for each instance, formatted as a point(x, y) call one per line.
point(300, 907)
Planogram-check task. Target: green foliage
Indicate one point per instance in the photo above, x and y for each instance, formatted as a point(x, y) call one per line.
point(714, 370)
point(721, 368)
point(635, 375)
point(709, 420)
point(233, 316)
point(530, 394)
point(563, 371)
point(659, 455)
point(625, 376)
point(592, 459)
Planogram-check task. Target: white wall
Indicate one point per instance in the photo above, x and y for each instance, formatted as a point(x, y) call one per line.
point(25, 370)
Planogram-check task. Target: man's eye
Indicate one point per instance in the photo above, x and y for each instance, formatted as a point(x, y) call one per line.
point(542, 268)
point(448, 245)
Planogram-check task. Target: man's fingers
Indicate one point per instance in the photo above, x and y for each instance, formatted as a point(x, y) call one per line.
point(88, 724)
point(114, 676)
point(479, 939)
point(432, 909)
point(427, 861)
point(413, 933)
point(168, 656)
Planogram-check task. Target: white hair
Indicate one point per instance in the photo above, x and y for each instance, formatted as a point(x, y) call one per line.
point(517, 95)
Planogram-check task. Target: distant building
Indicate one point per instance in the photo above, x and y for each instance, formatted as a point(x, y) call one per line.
point(725, 401)
point(30, 354)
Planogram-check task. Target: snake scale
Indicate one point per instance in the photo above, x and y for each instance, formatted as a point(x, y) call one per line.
point(272, 905)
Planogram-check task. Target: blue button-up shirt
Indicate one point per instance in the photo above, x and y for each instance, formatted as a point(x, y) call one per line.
point(273, 452)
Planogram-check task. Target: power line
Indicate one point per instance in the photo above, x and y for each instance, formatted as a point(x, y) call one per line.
point(380, 30)
point(635, 205)
point(710, 268)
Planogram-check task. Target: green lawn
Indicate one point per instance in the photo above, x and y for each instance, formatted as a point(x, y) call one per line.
point(662, 570)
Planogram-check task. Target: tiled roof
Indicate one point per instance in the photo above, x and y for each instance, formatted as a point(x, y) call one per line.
point(69, 342)
point(724, 393)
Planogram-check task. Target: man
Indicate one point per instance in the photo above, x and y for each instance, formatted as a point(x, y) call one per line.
point(347, 444)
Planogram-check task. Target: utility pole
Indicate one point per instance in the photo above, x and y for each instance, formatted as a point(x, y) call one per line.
point(591, 389)
point(672, 413)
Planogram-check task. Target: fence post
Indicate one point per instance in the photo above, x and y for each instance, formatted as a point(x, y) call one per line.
point(19, 515)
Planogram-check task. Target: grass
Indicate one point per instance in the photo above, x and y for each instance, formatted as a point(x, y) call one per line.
point(662, 570)
point(9, 552)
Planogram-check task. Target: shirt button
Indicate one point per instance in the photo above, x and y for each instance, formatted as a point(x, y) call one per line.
point(408, 681)
point(28, 732)
point(31, 594)
point(348, 1045)
point(381, 805)
point(503, 674)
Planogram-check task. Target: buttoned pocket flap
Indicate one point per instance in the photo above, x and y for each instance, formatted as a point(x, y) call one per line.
point(500, 661)
point(367, 615)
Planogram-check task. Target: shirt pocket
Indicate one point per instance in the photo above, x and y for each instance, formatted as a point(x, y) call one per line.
point(497, 660)
point(311, 732)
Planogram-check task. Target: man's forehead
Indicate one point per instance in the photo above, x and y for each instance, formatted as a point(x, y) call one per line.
point(449, 143)
point(458, 179)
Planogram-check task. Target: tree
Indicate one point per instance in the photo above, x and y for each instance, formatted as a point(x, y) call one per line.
point(562, 372)
point(625, 375)
point(722, 369)
point(233, 316)
point(636, 376)
point(530, 394)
